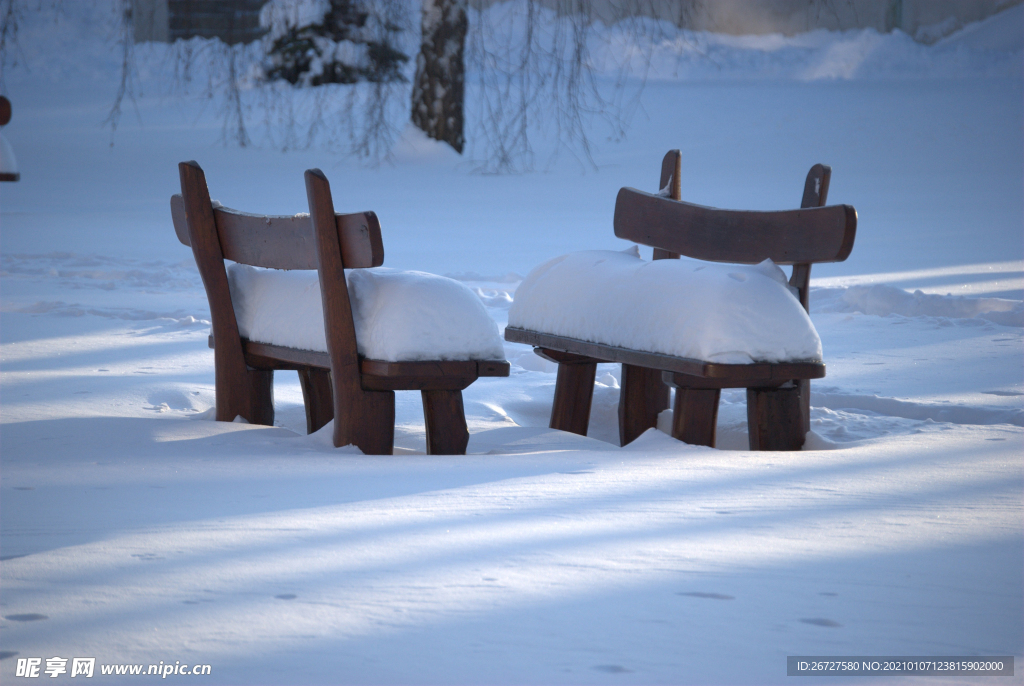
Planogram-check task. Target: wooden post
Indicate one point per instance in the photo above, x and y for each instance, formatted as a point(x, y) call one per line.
point(574, 390)
point(316, 393)
point(574, 393)
point(261, 396)
point(372, 422)
point(642, 394)
point(815, 195)
point(774, 420)
point(671, 168)
point(358, 415)
point(239, 390)
point(695, 415)
point(445, 420)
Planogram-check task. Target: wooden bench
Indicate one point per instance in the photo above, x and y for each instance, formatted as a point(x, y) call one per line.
point(8, 165)
point(358, 393)
point(778, 394)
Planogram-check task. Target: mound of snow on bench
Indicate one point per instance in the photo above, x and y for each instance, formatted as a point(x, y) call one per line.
point(724, 313)
point(399, 315)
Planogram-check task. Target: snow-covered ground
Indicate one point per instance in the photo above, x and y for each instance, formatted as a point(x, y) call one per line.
point(133, 531)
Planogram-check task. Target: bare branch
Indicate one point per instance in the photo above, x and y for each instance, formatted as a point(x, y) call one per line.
point(126, 44)
point(11, 13)
point(532, 66)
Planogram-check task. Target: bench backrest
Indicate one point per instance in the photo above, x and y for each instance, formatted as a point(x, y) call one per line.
point(285, 242)
point(808, 235)
point(818, 234)
point(801, 237)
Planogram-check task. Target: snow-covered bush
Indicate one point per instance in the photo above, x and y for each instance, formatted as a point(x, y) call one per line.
point(313, 42)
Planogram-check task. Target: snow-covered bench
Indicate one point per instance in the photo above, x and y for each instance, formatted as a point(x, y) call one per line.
point(695, 326)
point(354, 334)
point(8, 165)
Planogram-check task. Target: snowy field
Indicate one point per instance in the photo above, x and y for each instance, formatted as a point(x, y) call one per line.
point(134, 531)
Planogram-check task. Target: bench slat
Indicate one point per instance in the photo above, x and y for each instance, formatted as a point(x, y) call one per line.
point(178, 217)
point(436, 368)
point(818, 234)
point(264, 241)
point(267, 356)
point(715, 375)
point(361, 243)
point(286, 242)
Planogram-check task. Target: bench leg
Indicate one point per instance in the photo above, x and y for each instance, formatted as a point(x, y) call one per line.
point(574, 392)
point(805, 403)
point(317, 396)
point(249, 394)
point(365, 419)
point(373, 425)
point(261, 397)
point(695, 416)
point(775, 418)
point(641, 397)
point(374, 429)
point(445, 419)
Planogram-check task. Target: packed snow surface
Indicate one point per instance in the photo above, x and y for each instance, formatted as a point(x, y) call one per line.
point(398, 315)
point(725, 313)
point(135, 532)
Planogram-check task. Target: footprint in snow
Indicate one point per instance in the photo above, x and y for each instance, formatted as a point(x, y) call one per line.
point(713, 596)
point(821, 621)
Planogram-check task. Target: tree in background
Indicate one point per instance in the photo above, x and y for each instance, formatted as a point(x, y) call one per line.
point(530, 72)
point(528, 63)
point(334, 73)
point(11, 13)
point(349, 43)
point(439, 87)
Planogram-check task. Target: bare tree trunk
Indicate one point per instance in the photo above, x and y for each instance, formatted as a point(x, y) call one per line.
point(438, 94)
point(126, 45)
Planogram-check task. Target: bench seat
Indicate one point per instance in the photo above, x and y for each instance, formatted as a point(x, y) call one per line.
point(399, 316)
point(713, 374)
point(700, 311)
point(686, 337)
